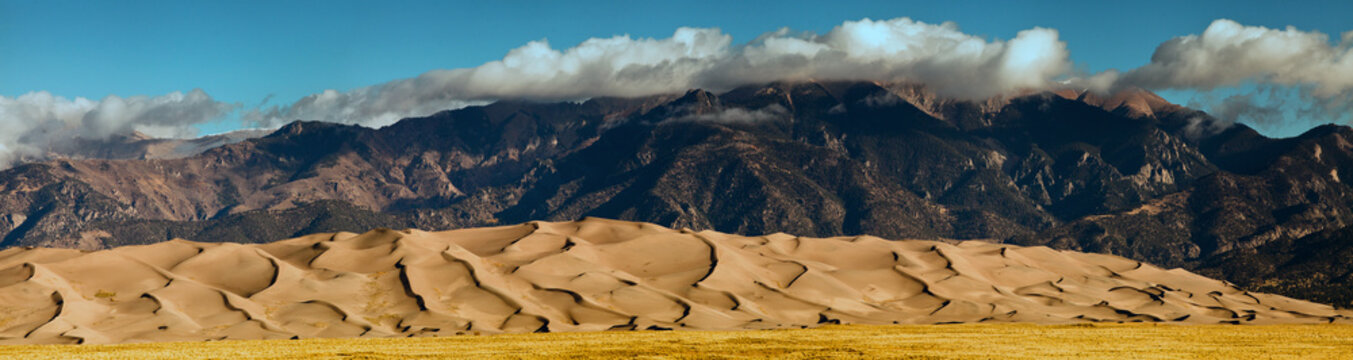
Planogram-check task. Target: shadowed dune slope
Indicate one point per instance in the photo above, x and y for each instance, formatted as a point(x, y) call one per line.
point(587, 275)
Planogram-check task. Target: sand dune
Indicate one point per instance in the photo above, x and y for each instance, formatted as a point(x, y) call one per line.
point(587, 275)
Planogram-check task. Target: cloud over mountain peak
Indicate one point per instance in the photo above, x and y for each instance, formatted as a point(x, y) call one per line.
point(1307, 76)
point(951, 62)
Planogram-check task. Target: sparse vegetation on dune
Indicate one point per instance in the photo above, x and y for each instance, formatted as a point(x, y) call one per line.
point(972, 341)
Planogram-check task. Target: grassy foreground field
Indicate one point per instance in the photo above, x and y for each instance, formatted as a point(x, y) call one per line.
point(1139, 341)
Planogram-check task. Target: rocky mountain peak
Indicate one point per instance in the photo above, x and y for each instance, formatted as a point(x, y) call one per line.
point(1134, 102)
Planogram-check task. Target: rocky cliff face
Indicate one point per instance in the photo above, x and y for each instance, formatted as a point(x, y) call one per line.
point(1127, 174)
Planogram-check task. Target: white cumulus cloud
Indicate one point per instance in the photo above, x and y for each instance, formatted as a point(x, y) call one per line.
point(949, 61)
point(37, 121)
point(1229, 53)
point(1306, 65)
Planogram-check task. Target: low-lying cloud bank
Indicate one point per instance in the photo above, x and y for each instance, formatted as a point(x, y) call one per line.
point(1228, 54)
point(1298, 64)
point(948, 60)
point(1305, 64)
point(37, 121)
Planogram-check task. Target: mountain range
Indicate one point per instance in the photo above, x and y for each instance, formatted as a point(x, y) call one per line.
point(1128, 174)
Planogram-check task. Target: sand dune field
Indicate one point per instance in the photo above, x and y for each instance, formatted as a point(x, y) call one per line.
point(587, 275)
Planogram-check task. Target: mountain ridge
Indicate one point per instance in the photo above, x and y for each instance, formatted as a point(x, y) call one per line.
point(1089, 173)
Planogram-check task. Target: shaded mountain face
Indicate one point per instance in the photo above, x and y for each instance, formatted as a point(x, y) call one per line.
point(1126, 174)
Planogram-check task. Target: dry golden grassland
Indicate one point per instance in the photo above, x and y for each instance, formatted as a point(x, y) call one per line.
point(1004, 341)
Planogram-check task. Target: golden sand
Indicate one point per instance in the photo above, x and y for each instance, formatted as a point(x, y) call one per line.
point(589, 275)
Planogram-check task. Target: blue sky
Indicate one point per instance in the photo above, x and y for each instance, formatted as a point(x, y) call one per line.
point(246, 51)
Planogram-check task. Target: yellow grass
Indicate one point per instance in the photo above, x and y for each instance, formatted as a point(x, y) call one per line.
point(1007, 341)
